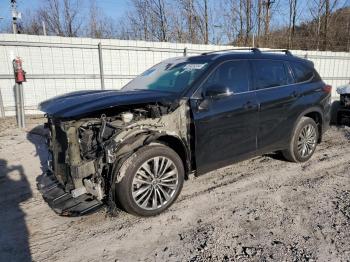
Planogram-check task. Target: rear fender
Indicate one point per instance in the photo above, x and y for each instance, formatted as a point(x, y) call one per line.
point(306, 112)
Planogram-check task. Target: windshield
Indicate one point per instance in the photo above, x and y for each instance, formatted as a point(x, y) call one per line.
point(171, 76)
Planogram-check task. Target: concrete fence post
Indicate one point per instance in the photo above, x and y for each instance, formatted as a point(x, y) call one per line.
point(21, 100)
point(19, 97)
point(18, 105)
point(100, 59)
point(185, 51)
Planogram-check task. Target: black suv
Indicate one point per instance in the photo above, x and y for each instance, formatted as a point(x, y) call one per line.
point(134, 148)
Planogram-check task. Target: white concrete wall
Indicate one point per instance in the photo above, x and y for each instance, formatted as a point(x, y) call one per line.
point(56, 65)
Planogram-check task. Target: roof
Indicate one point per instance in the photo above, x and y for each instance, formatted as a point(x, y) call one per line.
point(242, 53)
point(252, 53)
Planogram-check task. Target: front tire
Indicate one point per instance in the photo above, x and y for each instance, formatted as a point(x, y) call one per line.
point(304, 141)
point(152, 179)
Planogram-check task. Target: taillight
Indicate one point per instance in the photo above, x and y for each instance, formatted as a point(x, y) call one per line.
point(327, 89)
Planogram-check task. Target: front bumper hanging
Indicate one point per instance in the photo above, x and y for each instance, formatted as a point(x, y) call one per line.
point(62, 202)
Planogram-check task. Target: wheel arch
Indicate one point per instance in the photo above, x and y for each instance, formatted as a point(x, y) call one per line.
point(134, 143)
point(316, 114)
point(179, 146)
point(139, 140)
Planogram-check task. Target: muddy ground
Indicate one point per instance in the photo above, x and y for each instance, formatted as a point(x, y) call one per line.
point(263, 209)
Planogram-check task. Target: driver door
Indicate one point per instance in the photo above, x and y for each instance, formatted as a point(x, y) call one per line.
point(225, 125)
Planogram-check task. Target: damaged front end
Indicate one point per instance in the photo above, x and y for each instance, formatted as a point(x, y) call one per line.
point(86, 154)
point(343, 113)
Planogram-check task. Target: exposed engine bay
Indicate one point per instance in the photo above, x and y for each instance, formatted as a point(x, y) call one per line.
point(343, 114)
point(86, 154)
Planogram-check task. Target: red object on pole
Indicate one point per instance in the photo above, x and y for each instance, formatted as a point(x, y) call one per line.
point(20, 74)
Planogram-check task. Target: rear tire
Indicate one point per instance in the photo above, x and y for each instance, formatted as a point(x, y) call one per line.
point(152, 180)
point(304, 141)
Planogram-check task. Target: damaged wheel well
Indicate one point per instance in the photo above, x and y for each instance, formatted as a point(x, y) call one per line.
point(178, 146)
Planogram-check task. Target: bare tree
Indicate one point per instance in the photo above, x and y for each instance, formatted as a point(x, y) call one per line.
point(319, 16)
point(230, 19)
point(248, 18)
point(200, 27)
point(259, 17)
point(202, 21)
point(329, 8)
point(241, 20)
point(177, 25)
point(292, 20)
point(206, 22)
point(62, 18)
point(321, 11)
point(159, 19)
point(267, 5)
point(99, 25)
point(189, 14)
point(51, 14)
point(147, 20)
point(31, 24)
point(348, 38)
point(71, 23)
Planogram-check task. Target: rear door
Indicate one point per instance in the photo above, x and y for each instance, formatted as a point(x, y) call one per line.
point(277, 96)
point(226, 128)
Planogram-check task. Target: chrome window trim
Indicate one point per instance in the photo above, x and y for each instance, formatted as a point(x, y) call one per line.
point(254, 90)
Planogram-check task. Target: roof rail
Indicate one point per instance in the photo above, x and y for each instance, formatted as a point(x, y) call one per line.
point(286, 51)
point(253, 49)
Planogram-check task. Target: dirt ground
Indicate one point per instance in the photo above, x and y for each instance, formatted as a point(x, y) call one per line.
point(263, 209)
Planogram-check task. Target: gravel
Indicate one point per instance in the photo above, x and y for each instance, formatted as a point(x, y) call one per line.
point(263, 209)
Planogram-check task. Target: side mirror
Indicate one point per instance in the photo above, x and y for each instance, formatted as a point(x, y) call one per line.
point(217, 91)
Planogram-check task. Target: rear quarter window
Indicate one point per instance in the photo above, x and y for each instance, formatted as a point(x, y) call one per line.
point(304, 73)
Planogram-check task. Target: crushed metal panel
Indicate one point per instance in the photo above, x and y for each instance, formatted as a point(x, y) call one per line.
point(174, 123)
point(82, 171)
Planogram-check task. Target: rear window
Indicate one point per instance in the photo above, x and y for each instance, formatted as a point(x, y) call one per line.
point(302, 73)
point(270, 73)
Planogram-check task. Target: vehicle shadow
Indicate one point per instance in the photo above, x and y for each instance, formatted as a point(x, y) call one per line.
point(14, 235)
point(37, 137)
point(276, 156)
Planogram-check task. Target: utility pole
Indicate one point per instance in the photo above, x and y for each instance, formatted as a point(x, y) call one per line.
point(44, 27)
point(15, 15)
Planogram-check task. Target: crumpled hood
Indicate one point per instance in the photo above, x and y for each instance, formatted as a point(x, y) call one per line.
point(82, 103)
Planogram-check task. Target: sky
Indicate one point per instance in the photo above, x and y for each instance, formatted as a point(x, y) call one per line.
point(112, 8)
point(116, 8)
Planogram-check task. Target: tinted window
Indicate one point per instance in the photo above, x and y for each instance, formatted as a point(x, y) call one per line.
point(302, 72)
point(269, 73)
point(232, 74)
point(173, 75)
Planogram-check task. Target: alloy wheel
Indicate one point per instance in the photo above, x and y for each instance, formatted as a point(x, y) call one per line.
point(155, 183)
point(307, 140)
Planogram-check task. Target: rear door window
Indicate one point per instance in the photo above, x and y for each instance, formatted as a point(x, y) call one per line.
point(302, 73)
point(270, 73)
point(232, 74)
